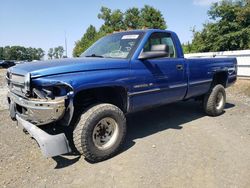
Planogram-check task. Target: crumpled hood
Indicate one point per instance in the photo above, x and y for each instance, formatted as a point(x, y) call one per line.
point(61, 66)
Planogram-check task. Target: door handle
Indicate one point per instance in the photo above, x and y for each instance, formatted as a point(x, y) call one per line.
point(179, 67)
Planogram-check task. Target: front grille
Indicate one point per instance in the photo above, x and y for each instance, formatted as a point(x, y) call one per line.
point(16, 83)
point(18, 79)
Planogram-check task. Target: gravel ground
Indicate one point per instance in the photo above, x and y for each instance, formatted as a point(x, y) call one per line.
point(172, 146)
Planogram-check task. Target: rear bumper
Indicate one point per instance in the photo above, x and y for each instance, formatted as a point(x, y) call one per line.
point(51, 145)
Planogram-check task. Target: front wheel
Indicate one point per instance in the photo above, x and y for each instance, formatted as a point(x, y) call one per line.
point(100, 132)
point(214, 102)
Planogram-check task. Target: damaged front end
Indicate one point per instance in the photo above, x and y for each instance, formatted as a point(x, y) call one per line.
point(40, 104)
point(33, 104)
point(37, 111)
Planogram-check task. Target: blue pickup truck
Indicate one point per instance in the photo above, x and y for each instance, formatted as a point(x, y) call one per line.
point(121, 73)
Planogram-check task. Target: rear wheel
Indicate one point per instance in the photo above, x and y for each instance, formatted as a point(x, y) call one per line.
point(100, 132)
point(214, 102)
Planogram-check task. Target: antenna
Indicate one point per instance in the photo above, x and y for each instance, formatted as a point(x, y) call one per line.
point(65, 42)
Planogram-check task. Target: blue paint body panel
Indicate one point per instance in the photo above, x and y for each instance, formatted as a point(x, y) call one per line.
point(147, 82)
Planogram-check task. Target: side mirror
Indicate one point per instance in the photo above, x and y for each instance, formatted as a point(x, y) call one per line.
point(159, 50)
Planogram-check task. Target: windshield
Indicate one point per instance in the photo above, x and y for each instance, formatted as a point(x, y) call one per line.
point(118, 45)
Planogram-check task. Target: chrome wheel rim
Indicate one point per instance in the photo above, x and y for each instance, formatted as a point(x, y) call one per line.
point(105, 133)
point(219, 101)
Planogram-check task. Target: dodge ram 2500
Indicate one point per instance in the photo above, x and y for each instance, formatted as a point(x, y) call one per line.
point(119, 74)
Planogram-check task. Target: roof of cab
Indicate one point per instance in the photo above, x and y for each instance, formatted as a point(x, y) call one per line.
point(145, 31)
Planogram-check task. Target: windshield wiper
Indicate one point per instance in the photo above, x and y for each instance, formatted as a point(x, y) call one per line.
point(94, 55)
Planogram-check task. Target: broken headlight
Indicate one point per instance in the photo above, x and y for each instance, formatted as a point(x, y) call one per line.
point(50, 92)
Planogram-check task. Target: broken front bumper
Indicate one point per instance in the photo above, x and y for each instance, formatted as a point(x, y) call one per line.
point(51, 145)
point(32, 112)
point(37, 111)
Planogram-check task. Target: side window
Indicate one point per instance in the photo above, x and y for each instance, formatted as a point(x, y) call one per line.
point(161, 38)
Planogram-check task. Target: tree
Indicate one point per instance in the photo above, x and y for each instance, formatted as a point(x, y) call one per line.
point(116, 20)
point(50, 53)
point(58, 52)
point(39, 53)
point(152, 18)
point(113, 20)
point(132, 18)
point(55, 53)
point(1, 53)
point(34, 53)
point(228, 30)
point(187, 48)
point(88, 38)
point(17, 53)
point(30, 53)
point(20, 53)
point(6, 54)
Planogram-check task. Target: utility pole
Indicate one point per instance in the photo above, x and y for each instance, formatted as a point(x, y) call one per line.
point(65, 43)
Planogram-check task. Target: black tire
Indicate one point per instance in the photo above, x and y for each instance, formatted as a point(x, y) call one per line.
point(84, 137)
point(212, 104)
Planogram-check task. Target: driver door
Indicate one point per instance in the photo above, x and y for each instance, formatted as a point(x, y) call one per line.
point(160, 80)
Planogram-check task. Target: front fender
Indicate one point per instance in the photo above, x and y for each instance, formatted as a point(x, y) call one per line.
point(83, 81)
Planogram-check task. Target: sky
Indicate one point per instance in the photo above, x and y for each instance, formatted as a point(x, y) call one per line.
point(45, 23)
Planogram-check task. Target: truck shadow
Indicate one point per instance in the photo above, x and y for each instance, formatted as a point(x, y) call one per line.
point(172, 116)
point(65, 161)
point(145, 123)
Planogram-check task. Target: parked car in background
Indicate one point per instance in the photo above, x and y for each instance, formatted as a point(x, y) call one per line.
point(6, 63)
point(21, 62)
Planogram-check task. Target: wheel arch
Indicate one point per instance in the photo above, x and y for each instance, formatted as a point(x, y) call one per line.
point(220, 78)
point(116, 95)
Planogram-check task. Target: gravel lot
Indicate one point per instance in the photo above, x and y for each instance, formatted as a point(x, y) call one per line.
point(172, 146)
